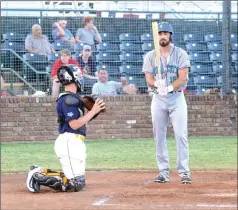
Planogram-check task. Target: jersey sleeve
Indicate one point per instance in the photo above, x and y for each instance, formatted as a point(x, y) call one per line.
point(147, 64)
point(70, 112)
point(183, 60)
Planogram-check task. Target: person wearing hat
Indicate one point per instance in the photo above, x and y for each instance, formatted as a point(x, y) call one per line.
point(87, 62)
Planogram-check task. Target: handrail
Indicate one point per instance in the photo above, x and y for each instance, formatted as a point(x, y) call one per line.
point(118, 11)
point(19, 57)
point(19, 76)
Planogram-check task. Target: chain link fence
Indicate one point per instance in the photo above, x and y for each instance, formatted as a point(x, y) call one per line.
point(125, 41)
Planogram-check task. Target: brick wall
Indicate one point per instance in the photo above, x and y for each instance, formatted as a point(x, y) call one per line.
point(34, 119)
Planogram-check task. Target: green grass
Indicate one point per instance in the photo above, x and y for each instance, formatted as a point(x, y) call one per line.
point(206, 153)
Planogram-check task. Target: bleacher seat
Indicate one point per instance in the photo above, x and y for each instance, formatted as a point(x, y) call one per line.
point(130, 57)
point(39, 62)
point(234, 57)
point(131, 70)
point(198, 57)
point(217, 68)
point(146, 38)
point(138, 81)
point(148, 46)
point(192, 38)
point(60, 46)
point(53, 57)
point(108, 47)
point(214, 46)
point(233, 38)
point(195, 47)
point(212, 38)
point(233, 81)
point(111, 69)
point(17, 47)
point(109, 37)
point(14, 37)
point(199, 69)
point(107, 57)
point(128, 37)
point(234, 47)
point(216, 57)
point(130, 47)
point(78, 47)
point(88, 84)
point(205, 80)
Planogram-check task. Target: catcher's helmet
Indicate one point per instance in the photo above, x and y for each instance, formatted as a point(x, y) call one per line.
point(164, 26)
point(69, 74)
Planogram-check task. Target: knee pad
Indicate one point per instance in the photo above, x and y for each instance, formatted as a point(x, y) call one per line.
point(76, 184)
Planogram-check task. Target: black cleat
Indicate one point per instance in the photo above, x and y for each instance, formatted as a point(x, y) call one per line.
point(161, 179)
point(186, 179)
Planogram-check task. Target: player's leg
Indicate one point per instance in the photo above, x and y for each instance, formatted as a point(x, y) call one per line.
point(159, 113)
point(38, 176)
point(71, 152)
point(179, 117)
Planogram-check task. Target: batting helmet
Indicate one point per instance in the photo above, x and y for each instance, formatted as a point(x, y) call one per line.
point(166, 27)
point(69, 74)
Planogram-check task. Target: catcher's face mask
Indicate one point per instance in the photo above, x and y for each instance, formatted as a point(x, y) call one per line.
point(69, 74)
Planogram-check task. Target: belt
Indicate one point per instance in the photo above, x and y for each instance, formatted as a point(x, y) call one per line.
point(77, 136)
point(173, 92)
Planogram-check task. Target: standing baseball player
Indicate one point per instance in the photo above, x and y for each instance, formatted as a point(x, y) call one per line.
point(169, 102)
point(69, 146)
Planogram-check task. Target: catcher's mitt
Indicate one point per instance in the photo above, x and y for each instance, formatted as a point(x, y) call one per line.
point(130, 89)
point(89, 102)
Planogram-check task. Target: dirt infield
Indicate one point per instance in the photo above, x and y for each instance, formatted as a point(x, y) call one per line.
point(127, 190)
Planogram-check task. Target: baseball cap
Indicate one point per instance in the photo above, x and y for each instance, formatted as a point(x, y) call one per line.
point(86, 47)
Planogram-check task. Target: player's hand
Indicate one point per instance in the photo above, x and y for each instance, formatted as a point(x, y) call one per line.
point(98, 106)
point(95, 29)
point(160, 83)
point(161, 86)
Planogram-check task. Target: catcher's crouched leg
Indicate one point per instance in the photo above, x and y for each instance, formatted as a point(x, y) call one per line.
point(38, 176)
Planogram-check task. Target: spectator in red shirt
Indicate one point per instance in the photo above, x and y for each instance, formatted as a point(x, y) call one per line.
point(64, 60)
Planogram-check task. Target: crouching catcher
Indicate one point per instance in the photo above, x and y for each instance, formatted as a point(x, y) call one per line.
point(69, 146)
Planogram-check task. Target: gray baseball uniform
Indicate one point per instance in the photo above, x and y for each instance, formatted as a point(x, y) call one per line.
point(172, 106)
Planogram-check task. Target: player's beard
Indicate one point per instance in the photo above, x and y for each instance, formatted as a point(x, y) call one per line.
point(164, 43)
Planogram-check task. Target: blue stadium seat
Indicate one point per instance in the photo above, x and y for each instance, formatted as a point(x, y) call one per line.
point(198, 57)
point(205, 80)
point(193, 47)
point(199, 69)
point(107, 47)
point(131, 70)
point(128, 37)
point(216, 57)
point(112, 70)
point(53, 57)
point(78, 47)
point(60, 46)
point(234, 57)
point(130, 47)
point(146, 38)
point(109, 37)
point(75, 56)
point(234, 47)
point(106, 57)
point(212, 38)
point(88, 84)
point(30, 57)
point(18, 47)
point(130, 57)
point(48, 68)
point(233, 38)
point(138, 81)
point(217, 68)
point(214, 46)
point(148, 46)
point(233, 80)
point(192, 38)
point(14, 37)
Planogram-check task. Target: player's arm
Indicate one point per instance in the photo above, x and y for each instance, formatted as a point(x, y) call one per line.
point(150, 80)
point(182, 79)
point(183, 65)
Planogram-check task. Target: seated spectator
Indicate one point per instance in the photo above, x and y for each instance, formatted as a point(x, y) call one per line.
point(37, 43)
point(61, 34)
point(64, 60)
point(88, 34)
point(105, 87)
point(87, 62)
